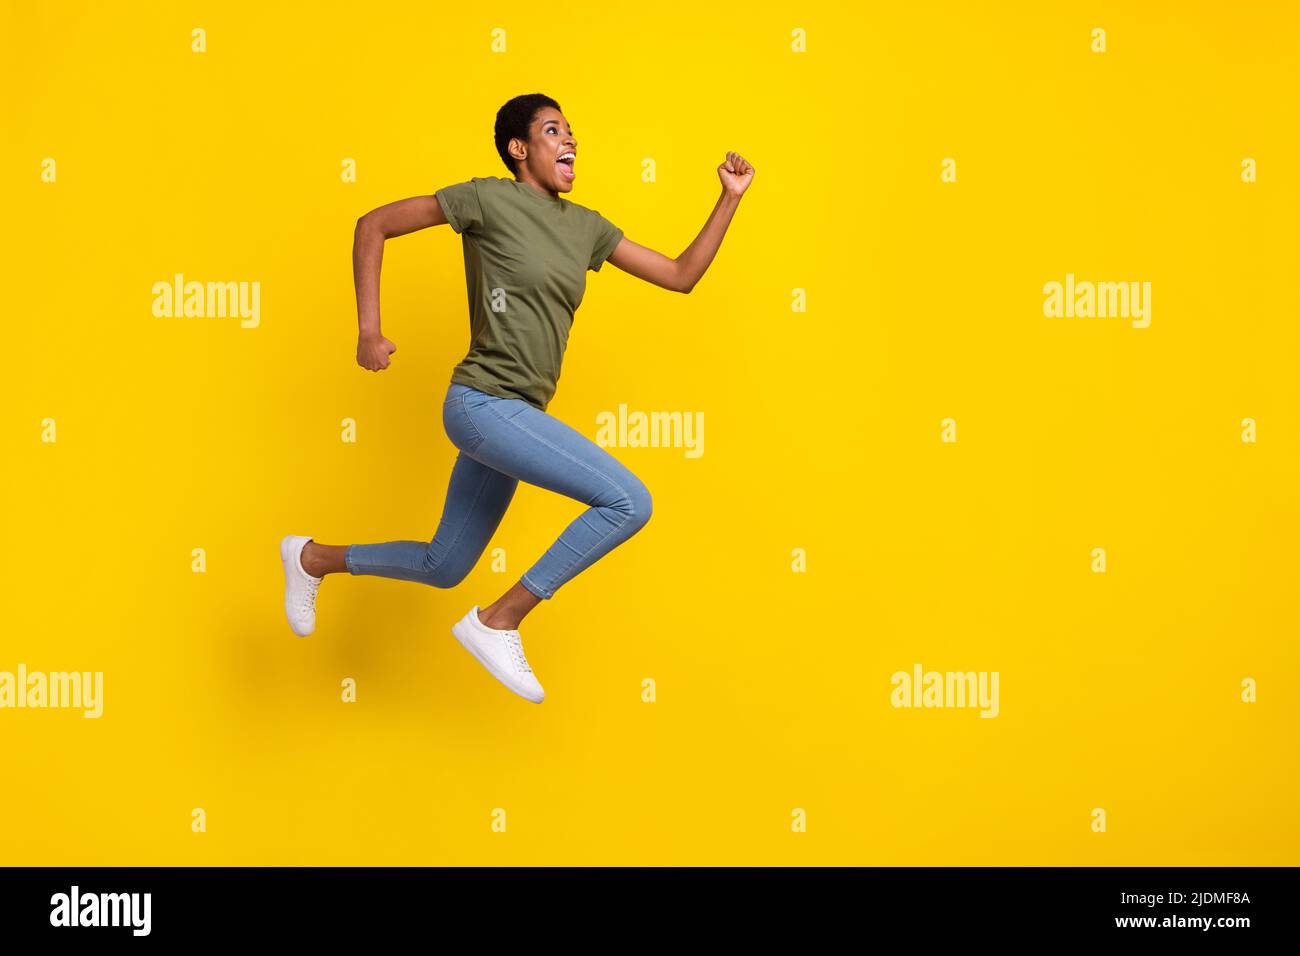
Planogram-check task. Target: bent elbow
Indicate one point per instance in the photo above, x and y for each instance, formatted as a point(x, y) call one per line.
point(368, 225)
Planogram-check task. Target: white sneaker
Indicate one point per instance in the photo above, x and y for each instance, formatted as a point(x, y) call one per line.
point(299, 586)
point(501, 652)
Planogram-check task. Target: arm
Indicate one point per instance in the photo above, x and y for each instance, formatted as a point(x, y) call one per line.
point(681, 274)
point(395, 219)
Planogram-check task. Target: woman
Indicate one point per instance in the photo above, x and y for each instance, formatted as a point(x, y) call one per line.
point(527, 252)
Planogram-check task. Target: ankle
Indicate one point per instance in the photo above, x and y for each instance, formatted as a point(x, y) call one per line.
point(498, 620)
point(311, 560)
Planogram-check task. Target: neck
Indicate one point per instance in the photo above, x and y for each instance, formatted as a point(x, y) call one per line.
point(549, 193)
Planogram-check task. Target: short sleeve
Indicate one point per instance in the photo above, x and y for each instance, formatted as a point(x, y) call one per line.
point(460, 204)
point(608, 236)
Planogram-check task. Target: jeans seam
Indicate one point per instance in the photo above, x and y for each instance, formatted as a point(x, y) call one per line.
point(451, 549)
point(601, 540)
point(525, 577)
point(581, 464)
point(631, 513)
point(393, 567)
point(473, 506)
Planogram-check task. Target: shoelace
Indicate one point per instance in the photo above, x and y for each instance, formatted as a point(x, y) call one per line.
point(308, 600)
point(516, 647)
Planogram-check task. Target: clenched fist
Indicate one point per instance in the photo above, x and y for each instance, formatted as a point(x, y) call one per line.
point(736, 174)
point(373, 351)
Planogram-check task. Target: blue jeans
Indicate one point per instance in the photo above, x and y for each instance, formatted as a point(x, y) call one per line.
point(503, 441)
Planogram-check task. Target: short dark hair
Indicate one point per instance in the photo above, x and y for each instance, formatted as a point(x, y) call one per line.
point(513, 121)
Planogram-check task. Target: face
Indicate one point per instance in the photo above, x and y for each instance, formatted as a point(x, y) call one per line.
point(549, 139)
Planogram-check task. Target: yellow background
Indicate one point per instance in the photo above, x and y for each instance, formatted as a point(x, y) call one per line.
point(1118, 690)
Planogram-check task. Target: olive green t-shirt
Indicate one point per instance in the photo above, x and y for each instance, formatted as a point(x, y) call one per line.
point(526, 261)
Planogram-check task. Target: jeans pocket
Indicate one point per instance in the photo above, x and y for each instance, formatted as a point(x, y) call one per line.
point(476, 399)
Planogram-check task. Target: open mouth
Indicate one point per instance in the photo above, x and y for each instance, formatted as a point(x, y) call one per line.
point(565, 165)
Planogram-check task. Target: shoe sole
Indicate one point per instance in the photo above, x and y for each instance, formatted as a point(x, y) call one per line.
point(473, 650)
point(286, 556)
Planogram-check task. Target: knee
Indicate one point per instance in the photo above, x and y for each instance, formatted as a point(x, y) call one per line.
point(443, 573)
point(444, 579)
point(637, 506)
